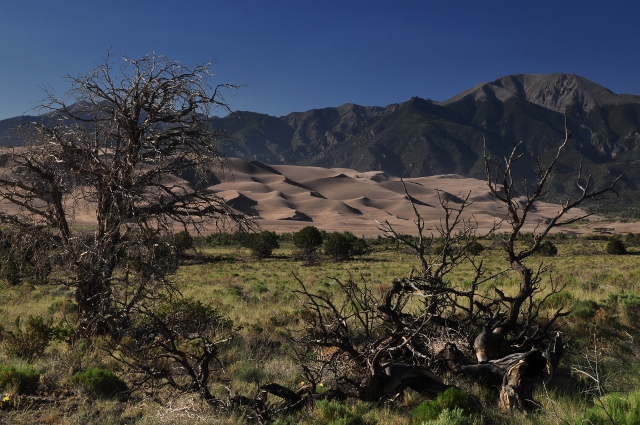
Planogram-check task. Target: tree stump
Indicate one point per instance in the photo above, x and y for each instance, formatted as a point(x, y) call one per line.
point(520, 380)
point(517, 374)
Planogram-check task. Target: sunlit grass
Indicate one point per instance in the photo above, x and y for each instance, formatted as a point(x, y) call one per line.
point(259, 297)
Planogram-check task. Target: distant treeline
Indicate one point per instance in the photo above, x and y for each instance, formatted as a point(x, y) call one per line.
point(613, 209)
point(235, 238)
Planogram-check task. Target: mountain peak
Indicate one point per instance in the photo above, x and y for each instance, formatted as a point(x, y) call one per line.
point(553, 91)
point(561, 91)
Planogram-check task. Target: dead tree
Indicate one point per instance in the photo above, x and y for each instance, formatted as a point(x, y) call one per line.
point(517, 313)
point(439, 254)
point(376, 345)
point(516, 374)
point(370, 345)
point(373, 345)
point(118, 150)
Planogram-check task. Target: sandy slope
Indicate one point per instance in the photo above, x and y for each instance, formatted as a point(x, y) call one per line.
point(285, 198)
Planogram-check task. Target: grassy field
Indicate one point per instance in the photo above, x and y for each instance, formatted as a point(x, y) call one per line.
point(603, 292)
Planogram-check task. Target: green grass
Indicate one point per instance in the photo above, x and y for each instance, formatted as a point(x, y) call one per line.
point(602, 289)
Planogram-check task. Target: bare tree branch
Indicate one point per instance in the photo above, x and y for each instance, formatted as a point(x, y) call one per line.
point(133, 143)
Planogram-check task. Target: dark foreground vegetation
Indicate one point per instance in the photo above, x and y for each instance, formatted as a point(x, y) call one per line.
point(47, 377)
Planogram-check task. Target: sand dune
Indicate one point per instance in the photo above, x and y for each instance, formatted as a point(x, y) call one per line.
point(285, 198)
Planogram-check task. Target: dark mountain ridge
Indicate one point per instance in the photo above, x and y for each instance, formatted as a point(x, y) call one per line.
point(422, 137)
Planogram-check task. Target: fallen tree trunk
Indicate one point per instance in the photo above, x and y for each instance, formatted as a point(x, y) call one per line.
point(387, 380)
point(517, 374)
point(393, 378)
point(495, 370)
point(520, 380)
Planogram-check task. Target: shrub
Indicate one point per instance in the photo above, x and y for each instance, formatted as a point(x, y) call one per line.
point(261, 244)
point(584, 309)
point(100, 383)
point(438, 248)
point(308, 237)
point(547, 249)
point(177, 340)
point(451, 417)
point(30, 339)
point(359, 246)
point(558, 299)
point(452, 399)
point(615, 246)
point(18, 381)
point(498, 240)
point(475, 248)
point(619, 409)
point(426, 411)
point(182, 241)
point(338, 247)
point(440, 245)
point(222, 239)
point(527, 237)
point(631, 308)
point(307, 240)
point(559, 236)
point(288, 420)
point(632, 239)
point(336, 413)
point(628, 304)
point(344, 246)
point(596, 237)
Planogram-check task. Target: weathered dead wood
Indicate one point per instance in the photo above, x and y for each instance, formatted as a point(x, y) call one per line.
point(517, 373)
point(490, 345)
point(492, 370)
point(393, 378)
point(282, 392)
point(520, 380)
point(553, 357)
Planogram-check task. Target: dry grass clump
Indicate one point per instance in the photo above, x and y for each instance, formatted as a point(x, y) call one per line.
point(186, 409)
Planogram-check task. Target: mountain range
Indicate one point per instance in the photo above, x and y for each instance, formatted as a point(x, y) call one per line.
point(422, 137)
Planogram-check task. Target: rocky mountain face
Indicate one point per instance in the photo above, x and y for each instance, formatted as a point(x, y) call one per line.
point(557, 92)
point(422, 137)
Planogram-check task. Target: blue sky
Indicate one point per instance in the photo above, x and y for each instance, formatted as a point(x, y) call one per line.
point(304, 54)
